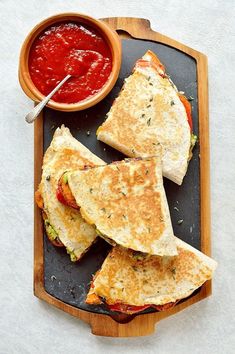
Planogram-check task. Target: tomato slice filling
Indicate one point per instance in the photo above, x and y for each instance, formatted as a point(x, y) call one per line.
point(64, 194)
point(188, 110)
point(130, 309)
point(59, 195)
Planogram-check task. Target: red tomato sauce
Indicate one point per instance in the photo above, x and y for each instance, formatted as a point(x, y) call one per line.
point(70, 48)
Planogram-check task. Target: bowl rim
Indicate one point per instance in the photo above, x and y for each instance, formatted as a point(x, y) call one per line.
point(112, 39)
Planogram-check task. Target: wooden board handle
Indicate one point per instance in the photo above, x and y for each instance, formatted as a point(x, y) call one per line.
point(140, 326)
point(126, 24)
point(140, 28)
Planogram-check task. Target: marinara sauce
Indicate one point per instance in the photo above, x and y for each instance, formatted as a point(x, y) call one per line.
point(70, 48)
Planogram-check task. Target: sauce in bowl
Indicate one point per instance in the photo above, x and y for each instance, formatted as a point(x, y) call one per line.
point(70, 48)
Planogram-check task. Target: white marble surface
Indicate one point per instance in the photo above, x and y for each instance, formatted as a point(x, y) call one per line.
point(28, 325)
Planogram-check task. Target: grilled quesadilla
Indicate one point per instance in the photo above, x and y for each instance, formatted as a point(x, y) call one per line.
point(130, 282)
point(64, 225)
point(126, 202)
point(150, 111)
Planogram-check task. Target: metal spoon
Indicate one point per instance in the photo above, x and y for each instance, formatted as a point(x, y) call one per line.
point(31, 116)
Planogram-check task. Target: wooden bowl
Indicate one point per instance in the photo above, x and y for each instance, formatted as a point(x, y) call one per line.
point(110, 36)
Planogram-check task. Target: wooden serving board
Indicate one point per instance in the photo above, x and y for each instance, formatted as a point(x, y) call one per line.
point(193, 193)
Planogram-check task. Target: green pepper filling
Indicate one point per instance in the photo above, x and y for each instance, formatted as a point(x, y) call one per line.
point(53, 235)
point(73, 257)
point(192, 144)
point(65, 178)
point(193, 140)
point(51, 232)
point(139, 256)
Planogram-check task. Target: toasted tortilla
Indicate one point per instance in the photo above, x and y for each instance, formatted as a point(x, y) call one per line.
point(148, 112)
point(126, 202)
point(65, 152)
point(129, 278)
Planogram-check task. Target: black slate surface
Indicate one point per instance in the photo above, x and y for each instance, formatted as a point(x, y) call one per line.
point(69, 281)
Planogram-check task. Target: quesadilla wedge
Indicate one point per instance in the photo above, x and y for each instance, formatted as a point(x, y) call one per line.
point(64, 225)
point(130, 282)
point(126, 202)
point(150, 111)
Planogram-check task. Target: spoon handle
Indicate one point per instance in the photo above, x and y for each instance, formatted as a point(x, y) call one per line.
point(31, 116)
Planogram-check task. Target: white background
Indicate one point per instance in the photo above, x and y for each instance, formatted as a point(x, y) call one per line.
point(28, 325)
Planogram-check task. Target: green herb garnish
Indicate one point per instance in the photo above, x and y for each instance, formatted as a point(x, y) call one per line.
point(190, 98)
point(173, 271)
point(193, 140)
point(138, 256)
point(65, 178)
point(73, 257)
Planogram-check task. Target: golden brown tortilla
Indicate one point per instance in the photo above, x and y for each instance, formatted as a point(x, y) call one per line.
point(148, 112)
point(65, 152)
point(126, 202)
point(129, 278)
